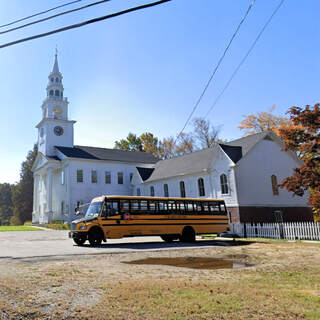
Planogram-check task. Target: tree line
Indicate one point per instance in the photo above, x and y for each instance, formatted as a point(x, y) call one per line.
point(203, 135)
point(16, 199)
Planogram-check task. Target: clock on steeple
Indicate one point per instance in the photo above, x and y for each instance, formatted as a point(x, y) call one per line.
point(55, 129)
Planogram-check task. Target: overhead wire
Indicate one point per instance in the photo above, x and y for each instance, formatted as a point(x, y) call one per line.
point(84, 23)
point(216, 68)
point(245, 57)
point(39, 13)
point(55, 16)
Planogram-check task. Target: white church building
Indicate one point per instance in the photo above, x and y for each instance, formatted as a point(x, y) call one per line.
point(243, 172)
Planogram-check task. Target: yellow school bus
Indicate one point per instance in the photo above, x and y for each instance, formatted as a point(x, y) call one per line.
point(112, 217)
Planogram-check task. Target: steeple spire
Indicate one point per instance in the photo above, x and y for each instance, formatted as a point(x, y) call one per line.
point(55, 69)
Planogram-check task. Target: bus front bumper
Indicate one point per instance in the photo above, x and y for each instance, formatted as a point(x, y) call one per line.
point(78, 235)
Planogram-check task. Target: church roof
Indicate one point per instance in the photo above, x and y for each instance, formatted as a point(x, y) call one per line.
point(145, 173)
point(247, 142)
point(189, 163)
point(105, 154)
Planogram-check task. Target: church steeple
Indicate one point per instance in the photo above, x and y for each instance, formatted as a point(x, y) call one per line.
point(55, 87)
point(55, 129)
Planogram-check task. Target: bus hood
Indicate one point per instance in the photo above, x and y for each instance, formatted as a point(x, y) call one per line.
point(83, 220)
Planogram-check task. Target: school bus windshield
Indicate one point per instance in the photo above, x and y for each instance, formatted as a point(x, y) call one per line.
point(93, 210)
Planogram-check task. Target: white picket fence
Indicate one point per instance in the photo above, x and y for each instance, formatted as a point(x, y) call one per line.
point(286, 230)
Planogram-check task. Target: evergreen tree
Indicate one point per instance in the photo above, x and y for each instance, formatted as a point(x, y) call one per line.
point(23, 191)
point(6, 205)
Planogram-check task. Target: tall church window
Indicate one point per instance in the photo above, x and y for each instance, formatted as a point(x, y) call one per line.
point(94, 176)
point(166, 190)
point(152, 191)
point(120, 177)
point(62, 207)
point(52, 79)
point(57, 80)
point(51, 92)
point(274, 184)
point(108, 177)
point(201, 189)
point(182, 190)
point(62, 177)
point(131, 176)
point(138, 192)
point(57, 93)
point(40, 184)
point(224, 184)
point(79, 175)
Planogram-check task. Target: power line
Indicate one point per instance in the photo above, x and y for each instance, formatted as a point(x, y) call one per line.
point(39, 13)
point(78, 25)
point(217, 67)
point(245, 57)
point(54, 16)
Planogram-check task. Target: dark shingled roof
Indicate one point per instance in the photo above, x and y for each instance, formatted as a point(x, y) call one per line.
point(246, 143)
point(107, 154)
point(53, 158)
point(233, 152)
point(145, 173)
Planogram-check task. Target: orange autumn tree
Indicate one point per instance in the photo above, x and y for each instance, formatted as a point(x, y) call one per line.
point(303, 138)
point(263, 121)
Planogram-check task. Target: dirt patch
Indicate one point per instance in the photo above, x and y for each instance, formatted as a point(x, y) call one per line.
point(283, 283)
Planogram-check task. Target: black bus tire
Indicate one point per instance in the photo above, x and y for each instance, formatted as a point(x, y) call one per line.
point(95, 236)
point(80, 241)
point(188, 235)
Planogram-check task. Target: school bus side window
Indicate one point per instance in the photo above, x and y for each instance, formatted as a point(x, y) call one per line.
point(110, 208)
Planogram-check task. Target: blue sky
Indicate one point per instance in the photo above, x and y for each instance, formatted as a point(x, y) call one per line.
point(144, 71)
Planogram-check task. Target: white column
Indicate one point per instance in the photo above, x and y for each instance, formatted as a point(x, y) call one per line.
point(49, 194)
point(35, 214)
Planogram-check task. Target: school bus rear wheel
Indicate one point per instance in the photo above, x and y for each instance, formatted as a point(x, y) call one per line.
point(188, 235)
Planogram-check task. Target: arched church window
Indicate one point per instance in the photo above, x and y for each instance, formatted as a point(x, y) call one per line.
point(224, 184)
point(57, 80)
point(152, 191)
point(51, 93)
point(52, 79)
point(274, 184)
point(61, 94)
point(182, 190)
point(57, 93)
point(166, 190)
point(138, 192)
point(202, 192)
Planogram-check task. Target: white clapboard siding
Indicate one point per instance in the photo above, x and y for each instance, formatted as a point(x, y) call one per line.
point(286, 230)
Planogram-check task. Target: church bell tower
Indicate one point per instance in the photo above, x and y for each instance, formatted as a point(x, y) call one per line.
point(54, 129)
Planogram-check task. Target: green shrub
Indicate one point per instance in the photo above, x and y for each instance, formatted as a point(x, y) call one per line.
point(57, 225)
point(15, 221)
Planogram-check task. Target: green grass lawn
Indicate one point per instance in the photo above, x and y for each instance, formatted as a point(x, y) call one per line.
point(19, 228)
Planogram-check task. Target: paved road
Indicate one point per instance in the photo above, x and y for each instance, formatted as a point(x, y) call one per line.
point(51, 243)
